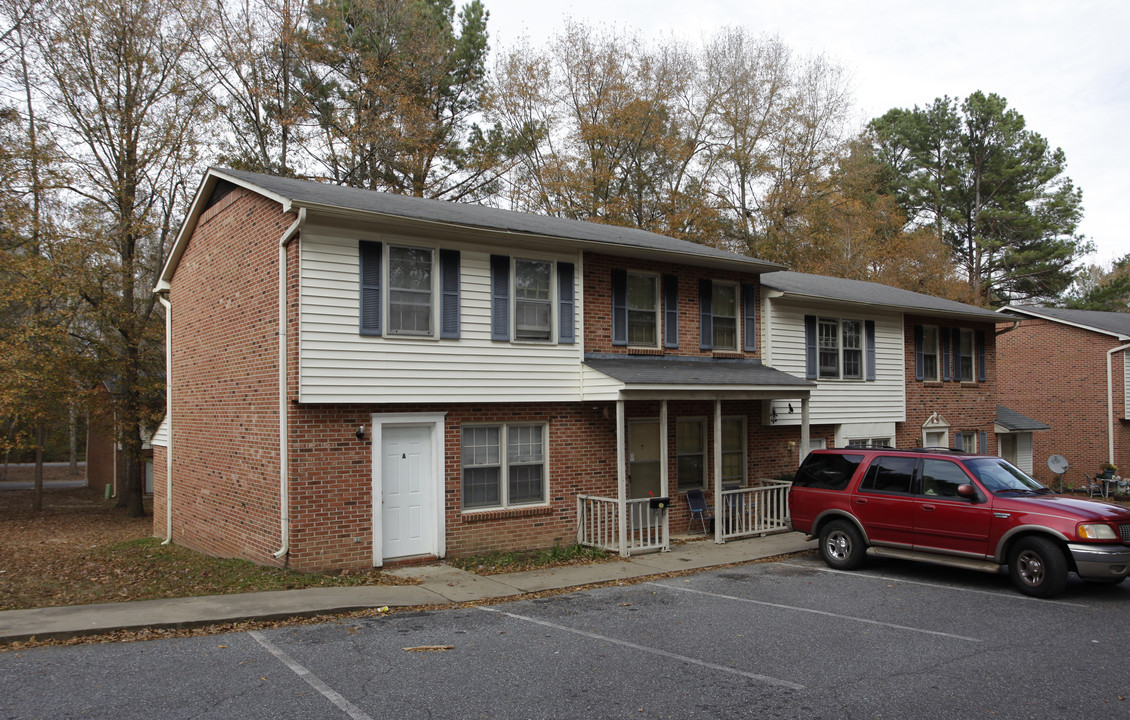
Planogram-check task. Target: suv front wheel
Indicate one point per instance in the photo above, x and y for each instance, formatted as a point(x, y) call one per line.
point(1037, 567)
point(841, 545)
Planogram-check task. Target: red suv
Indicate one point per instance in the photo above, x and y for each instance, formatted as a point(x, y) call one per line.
point(970, 511)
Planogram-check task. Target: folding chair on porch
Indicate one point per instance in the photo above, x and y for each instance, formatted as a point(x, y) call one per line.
point(696, 504)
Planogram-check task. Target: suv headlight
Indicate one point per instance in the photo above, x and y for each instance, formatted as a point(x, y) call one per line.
point(1096, 531)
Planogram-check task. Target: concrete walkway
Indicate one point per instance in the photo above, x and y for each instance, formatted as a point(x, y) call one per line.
point(440, 584)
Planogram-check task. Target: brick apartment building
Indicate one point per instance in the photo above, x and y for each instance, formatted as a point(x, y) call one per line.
point(1068, 369)
point(357, 378)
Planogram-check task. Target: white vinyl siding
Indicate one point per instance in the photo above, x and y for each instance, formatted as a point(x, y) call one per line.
point(835, 402)
point(338, 364)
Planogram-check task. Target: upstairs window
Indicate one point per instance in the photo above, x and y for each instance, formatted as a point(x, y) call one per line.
point(410, 291)
point(725, 316)
point(643, 310)
point(533, 300)
point(928, 357)
point(965, 355)
point(840, 349)
point(404, 293)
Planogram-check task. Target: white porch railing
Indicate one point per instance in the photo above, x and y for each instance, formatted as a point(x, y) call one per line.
point(758, 510)
point(598, 525)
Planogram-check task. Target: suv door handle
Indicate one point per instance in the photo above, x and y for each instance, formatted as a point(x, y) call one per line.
point(860, 501)
point(928, 508)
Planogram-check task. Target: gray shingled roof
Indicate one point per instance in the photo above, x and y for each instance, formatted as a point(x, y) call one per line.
point(820, 287)
point(1012, 420)
point(646, 370)
point(315, 195)
point(1110, 322)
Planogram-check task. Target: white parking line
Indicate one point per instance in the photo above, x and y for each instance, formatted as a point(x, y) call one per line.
point(354, 712)
point(655, 651)
point(870, 576)
point(794, 608)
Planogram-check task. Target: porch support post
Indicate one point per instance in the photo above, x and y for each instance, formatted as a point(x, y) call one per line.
point(664, 479)
point(718, 471)
point(804, 435)
point(621, 480)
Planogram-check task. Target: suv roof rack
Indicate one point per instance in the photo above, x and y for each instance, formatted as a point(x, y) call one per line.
point(887, 448)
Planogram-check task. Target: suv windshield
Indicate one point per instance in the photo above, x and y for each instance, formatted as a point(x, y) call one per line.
point(998, 476)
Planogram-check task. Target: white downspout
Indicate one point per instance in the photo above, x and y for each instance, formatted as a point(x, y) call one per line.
point(284, 477)
point(1110, 399)
point(163, 298)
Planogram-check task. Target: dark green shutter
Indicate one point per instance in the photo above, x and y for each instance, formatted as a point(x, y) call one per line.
point(705, 315)
point(810, 347)
point(670, 311)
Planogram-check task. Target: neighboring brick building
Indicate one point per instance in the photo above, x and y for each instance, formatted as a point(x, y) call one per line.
point(1054, 367)
point(456, 379)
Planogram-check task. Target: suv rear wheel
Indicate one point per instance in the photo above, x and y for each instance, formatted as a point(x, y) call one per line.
point(841, 545)
point(1037, 567)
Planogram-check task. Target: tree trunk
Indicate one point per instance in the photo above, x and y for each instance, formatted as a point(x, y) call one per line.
point(37, 492)
point(74, 440)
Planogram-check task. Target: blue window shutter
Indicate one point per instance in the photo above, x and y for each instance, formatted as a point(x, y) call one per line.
point(957, 442)
point(449, 294)
point(869, 331)
point(749, 328)
point(566, 304)
point(810, 347)
point(984, 439)
point(619, 306)
point(499, 297)
point(918, 373)
point(957, 355)
point(981, 356)
point(670, 311)
point(944, 339)
point(705, 315)
point(369, 254)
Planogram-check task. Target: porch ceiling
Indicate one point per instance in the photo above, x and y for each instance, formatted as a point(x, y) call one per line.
point(698, 378)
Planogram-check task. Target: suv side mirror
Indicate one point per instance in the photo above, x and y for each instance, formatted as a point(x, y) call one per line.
point(967, 491)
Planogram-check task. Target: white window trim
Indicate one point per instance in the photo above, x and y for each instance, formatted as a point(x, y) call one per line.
point(961, 335)
point(553, 302)
point(745, 447)
point(937, 353)
point(839, 321)
point(738, 345)
point(504, 475)
point(657, 315)
point(386, 299)
point(701, 420)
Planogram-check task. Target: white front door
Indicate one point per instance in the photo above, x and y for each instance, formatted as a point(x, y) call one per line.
point(407, 502)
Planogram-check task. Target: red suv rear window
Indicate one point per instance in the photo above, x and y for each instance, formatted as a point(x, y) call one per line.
point(827, 472)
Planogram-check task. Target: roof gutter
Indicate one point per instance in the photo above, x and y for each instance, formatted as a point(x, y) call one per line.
point(284, 463)
point(1110, 400)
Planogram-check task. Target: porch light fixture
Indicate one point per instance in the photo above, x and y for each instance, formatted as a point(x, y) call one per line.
point(361, 433)
point(772, 415)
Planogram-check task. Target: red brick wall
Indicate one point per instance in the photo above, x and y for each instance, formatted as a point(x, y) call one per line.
point(224, 386)
point(598, 305)
point(331, 483)
point(1056, 374)
point(968, 407)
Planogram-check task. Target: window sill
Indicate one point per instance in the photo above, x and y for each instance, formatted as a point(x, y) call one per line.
point(473, 516)
point(645, 351)
point(728, 355)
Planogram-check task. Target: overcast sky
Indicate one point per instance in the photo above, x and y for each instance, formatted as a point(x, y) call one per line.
point(1065, 66)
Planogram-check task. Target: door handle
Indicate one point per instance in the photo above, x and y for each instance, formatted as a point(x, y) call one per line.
point(861, 501)
point(928, 508)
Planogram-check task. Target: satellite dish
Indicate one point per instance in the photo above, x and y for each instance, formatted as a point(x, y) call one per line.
point(1058, 464)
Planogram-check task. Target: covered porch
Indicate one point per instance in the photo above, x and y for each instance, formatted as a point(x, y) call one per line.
point(726, 398)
